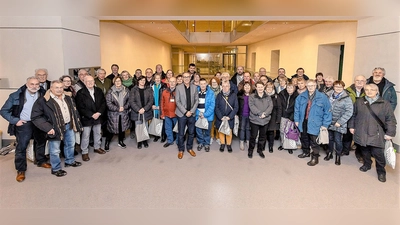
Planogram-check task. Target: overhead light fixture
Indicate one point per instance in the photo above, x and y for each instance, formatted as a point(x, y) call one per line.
point(247, 24)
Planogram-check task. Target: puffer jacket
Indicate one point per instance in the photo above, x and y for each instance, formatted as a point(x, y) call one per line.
point(113, 112)
point(222, 108)
point(135, 103)
point(209, 105)
point(259, 105)
point(367, 130)
point(342, 110)
point(286, 105)
point(320, 114)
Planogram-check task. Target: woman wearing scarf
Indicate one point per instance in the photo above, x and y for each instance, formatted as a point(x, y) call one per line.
point(367, 131)
point(127, 79)
point(118, 115)
point(342, 110)
point(216, 88)
point(273, 125)
point(158, 88)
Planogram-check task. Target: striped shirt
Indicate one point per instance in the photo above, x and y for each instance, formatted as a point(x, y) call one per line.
point(202, 102)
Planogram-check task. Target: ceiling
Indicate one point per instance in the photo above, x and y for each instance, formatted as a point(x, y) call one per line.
point(168, 31)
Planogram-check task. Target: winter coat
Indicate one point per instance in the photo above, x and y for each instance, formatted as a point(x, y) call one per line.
point(353, 93)
point(285, 108)
point(222, 109)
point(104, 86)
point(389, 93)
point(209, 105)
point(12, 108)
point(113, 112)
point(167, 107)
point(180, 100)
point(259, 105)
point(47, 115)
point(342, 110)
point(319, 115)
point(367, 130)
point(273, 123)
point(87, 107)
point(136, 104)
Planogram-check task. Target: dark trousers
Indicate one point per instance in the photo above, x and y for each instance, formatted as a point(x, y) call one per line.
point(347, 139)
point(377, 153)
point(271, 137)
point(308, 140)
point(23, 135)
point(262, 133)
point(121, 134)
point(335, 142)
point(182, 123)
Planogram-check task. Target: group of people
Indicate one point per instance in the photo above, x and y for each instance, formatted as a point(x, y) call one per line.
point(261, 109)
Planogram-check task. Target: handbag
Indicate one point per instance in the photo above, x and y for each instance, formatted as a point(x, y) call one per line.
point(202, 123)
point(390, 154)
point(236, 122)
point(155, 127)
point(30, 154)
point(224, 128)
point(141, 130)
point(289, 144)
point(323, 137)
point(291, 131)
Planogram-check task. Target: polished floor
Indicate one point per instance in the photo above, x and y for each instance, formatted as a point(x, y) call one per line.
point(154, 178)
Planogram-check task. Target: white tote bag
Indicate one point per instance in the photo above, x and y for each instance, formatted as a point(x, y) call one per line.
point(202, 123)
point(390, 154)
point(323, 137)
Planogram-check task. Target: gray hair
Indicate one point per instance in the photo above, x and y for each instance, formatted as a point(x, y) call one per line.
point(379, 68)
point(41, 69)
point(100, 69)
point(55, 82)
point(30, 78)
point(374, 86)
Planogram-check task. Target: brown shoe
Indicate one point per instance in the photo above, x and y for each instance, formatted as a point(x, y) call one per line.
point(100, 151)
point(180, 155)
point(45, 165)
point(20, 176)
point(85, 157)
point(192, 153)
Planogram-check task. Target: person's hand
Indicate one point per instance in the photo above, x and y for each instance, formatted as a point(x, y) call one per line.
point(387, 137)
point(351, 130)
point(20, 123)
point(141, 111)
point(96, 116)
point(188, 114)
point(154, 107)
point(337, 124)
point(323, 128)
point(297, 124)
point(227, 118)
point(162, 117)
point(51, 132)
point(121, 109)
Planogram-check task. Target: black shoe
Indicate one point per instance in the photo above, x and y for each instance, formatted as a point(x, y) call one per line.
point(221, 148)
point(360, 159)
point(167, 144)
point(229, 147)
point(107, 146)
point(329, 156)
point(270, 149)
point(139, 145)
point(344, 153)
point(76, 152)
point(155, 139)
point(304, 155)
point(163, 139)
point(364, 168)
point(74, 164)
point(314, 160)
point(277, 137)
point(261, 154)
point(337, 159)
point(280, 148)
point(199, 147)
point(382, 177)
point(121, 144)
point(290, 151)
point(250, 154)
point(59, 173)
point(145, 144)
point(207, 148)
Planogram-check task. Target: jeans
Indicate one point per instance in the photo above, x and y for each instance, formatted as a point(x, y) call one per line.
point(169, 126)
point(377, 153)
point(203, 135)
point(96, 138)
point(244, 128)
point(54, 149)
point(262, 133)
point(308, 140)
point(190, 123)
point(335, 142)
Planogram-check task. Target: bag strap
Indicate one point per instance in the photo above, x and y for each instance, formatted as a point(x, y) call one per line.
point(375, 116)
point(227, 102)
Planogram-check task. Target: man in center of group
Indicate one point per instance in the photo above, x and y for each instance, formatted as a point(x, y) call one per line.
point(238, 76)
point(187, 99)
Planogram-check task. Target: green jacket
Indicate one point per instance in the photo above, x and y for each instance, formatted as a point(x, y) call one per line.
point(353, 94)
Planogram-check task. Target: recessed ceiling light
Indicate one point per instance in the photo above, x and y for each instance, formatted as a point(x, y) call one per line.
point(152, 22)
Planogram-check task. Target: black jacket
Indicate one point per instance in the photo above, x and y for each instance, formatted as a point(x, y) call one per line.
point(285, 107)
point(46, 115)
point(87, 107)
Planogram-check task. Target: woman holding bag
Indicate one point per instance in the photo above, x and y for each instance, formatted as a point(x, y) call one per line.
point(260, 114)
point(226, 107)
point(141, 102)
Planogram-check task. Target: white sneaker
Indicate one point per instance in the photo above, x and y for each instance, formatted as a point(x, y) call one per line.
point(241, 145)
point(218, 141)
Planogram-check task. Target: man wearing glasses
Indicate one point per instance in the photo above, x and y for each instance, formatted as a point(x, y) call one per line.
point(41, 75)
point(187, 99)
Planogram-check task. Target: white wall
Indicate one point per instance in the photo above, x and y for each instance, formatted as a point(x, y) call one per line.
point(300, 48)
point(131, 49)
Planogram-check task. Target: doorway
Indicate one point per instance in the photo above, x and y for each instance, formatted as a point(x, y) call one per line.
point(330, 60)
point(275, 55)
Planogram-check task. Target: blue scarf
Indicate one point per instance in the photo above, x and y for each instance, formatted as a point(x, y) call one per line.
point(156, 98)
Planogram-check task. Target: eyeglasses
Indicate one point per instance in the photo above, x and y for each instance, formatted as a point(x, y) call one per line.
point(186, 77)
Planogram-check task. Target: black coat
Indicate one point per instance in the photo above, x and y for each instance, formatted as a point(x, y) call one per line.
point(275, 119)
point(285, 108)
point(222, 109)
point(87, 107)
point(136, 104)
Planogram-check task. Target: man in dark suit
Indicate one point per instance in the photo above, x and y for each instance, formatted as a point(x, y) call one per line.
point(41, 74)
point(91, 104)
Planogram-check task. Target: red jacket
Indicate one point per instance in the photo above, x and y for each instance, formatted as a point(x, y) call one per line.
point(168, 104)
